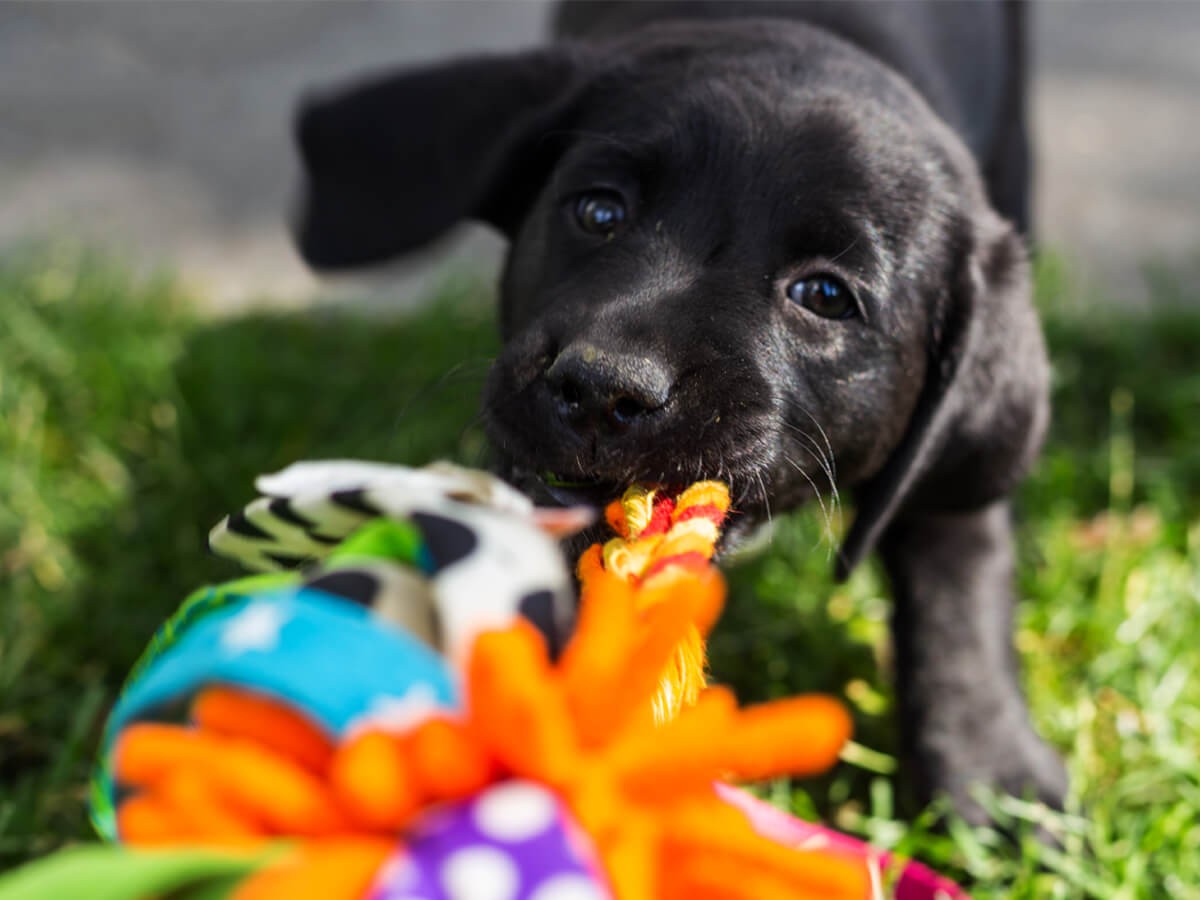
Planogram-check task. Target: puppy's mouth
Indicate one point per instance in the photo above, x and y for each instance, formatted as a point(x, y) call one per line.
point(574, 491)
point(547, 488)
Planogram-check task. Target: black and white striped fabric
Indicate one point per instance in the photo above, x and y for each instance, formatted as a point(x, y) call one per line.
point(490, 553)
point(310, 507)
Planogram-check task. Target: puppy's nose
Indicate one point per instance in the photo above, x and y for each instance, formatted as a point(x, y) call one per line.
point(611, 390)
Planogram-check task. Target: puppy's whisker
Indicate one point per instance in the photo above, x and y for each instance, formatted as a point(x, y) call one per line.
point(825, 510)
point(840, 254)
point(827, 531)
point(766, 499)
point(813, 449)
point(827, 461)
point(824, 437)
point(431, 392)
point(816, 424)
point(827, 469)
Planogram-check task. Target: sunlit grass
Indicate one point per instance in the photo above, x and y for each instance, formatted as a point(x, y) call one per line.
point(128, 425)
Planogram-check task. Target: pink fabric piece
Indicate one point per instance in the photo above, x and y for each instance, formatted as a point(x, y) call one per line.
point(917, 882)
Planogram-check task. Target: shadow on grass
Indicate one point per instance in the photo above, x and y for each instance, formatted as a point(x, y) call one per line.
point(254, 394)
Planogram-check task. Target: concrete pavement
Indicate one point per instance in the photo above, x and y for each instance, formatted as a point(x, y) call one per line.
point(160, 131)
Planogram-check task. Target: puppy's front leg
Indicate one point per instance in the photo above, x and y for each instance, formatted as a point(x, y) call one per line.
point(962, 716)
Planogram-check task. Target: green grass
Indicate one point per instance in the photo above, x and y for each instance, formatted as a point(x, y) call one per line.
point(128, 425)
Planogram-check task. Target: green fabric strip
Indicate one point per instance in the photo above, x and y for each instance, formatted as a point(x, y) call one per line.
point(383, 539)
point(118, 873)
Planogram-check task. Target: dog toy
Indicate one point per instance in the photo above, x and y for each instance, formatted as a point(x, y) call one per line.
point(405, 717)
point(662, 538)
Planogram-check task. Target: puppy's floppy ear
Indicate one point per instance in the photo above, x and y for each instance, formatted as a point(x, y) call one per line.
point(984, 406)
point(394, 162)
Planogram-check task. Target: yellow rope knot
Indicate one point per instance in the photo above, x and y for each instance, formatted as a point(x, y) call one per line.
point(663, 538)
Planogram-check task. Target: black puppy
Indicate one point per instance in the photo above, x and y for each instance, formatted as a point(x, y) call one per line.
point(776, 250)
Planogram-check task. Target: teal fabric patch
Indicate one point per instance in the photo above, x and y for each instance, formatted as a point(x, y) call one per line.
point(198, 604)
point(329, 659)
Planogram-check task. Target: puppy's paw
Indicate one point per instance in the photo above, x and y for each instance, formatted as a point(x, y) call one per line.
point(1012, 761)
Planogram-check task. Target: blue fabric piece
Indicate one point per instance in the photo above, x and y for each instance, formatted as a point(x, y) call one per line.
point(327, 658)
point(195, 608)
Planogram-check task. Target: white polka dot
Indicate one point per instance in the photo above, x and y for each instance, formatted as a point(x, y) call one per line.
point(480, 873)
point(569, 887)
point(515, 811)
point(256, 627)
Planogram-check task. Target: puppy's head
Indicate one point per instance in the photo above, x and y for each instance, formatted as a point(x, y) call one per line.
point(743, 251)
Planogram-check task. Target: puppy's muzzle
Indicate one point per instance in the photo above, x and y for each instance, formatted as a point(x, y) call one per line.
point(607, 392)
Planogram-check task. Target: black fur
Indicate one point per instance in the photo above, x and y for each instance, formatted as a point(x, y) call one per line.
point(883, 144)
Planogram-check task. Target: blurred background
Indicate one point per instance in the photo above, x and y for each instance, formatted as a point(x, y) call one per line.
point(161, 131)
point(161, 344)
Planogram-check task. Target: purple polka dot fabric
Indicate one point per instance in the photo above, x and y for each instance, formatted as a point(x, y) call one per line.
point(515, 841)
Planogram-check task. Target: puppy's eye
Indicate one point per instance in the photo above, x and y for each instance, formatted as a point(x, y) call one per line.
point(600, 212)
point(825, 295)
